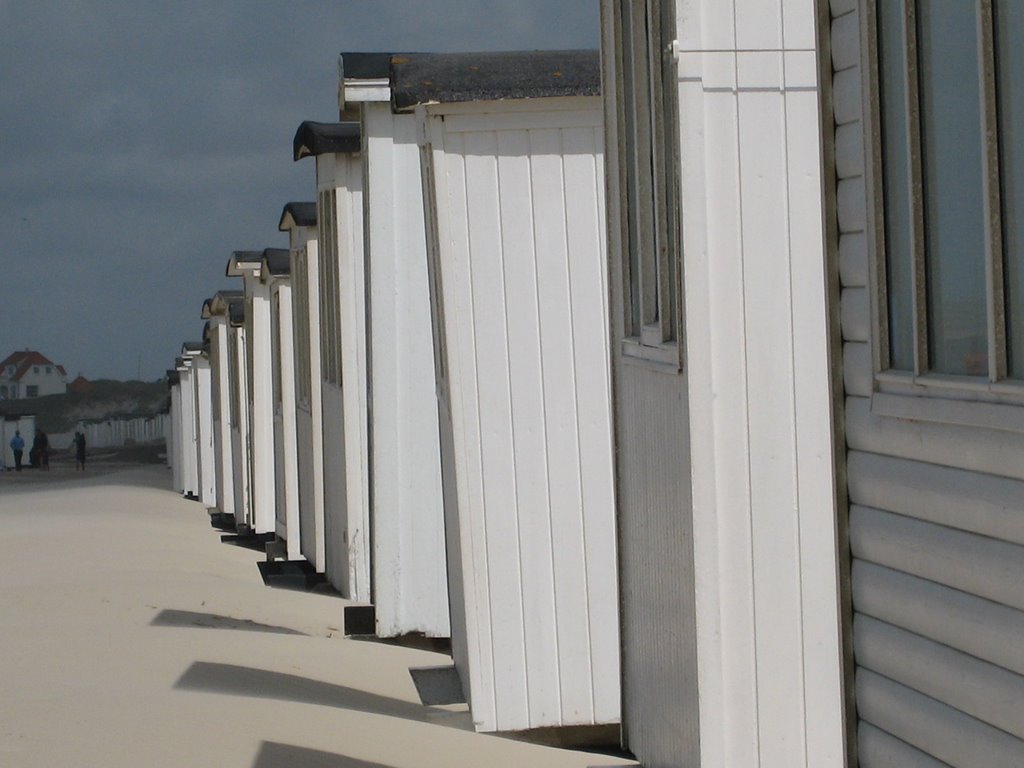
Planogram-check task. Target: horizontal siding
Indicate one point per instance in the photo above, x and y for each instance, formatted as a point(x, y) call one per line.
point(936, 522)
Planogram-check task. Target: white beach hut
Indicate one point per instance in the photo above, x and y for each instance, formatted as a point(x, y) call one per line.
point(299, 221)
point(196, 357)
point(174, 438)
point(188, 447)
point(258, 424)
point(409, 588)
point(215, 312)
point(515, 206)
point(275, 272)
point(342, 320)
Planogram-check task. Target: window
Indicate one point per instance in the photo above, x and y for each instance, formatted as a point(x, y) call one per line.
point(951, 104)
point(31, 390)
point(649, 170)
point(35, 369)
point(330, 288)
point(48, 371)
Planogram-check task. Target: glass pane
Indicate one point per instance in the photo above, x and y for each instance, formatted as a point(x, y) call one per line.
point(951, 140)
point(1009, 33)
point(892, 65)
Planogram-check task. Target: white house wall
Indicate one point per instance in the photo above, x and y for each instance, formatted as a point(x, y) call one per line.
point(260, 404)
point(410, 589)
point(189, 446)
point(935, 525)
point(220, 368)
point(285, 445)
point(204, 432)
point(345, 437)
point(8, 426)
point(524, 371)
point(309, 404)
point(767, 610)
point(240, 430)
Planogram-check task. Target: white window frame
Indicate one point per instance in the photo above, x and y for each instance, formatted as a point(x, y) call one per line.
point(992, 393)
point(648, 168)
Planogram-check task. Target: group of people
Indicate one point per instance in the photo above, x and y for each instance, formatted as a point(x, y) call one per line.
point(39, 455)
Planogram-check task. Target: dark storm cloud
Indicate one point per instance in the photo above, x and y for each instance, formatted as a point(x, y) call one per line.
point(141, 142)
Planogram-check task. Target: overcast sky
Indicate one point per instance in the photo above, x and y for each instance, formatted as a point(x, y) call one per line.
point(141, 142)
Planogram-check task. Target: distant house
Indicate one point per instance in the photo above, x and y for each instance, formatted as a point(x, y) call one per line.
point(80, 384)
point(28, 374)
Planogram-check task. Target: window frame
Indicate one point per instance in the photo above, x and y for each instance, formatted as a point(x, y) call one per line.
point(995, 386)
point(648, 171)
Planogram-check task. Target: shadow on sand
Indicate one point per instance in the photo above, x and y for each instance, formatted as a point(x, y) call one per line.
point(275, 755)
point(171, 617)
point(261, 683)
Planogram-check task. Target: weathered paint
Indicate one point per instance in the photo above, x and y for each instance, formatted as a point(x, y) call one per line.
point(344, 419)
point(517, 214)
point(410, 584)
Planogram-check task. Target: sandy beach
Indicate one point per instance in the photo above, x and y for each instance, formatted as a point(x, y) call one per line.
point(131, 635)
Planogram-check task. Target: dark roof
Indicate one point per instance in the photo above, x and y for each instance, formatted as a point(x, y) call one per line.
point(206, 335)
point(251, 259)
point(424, 78)
point(277, 261)
point(236, 313)
point(364, 66)
point(191, 348)
point(173, 377)
point(323, 138)
point(300, 215)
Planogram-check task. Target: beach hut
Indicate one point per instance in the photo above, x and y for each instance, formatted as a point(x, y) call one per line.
point(342, 320)
point(258, 423)
point(215, 312)
point(926, 180)
point(409, 588)
point(174, 426)
point(275, 272)
point(196, 356)
point(298, 219)
point(188, 447)
point(721, 359)
point(514, 186)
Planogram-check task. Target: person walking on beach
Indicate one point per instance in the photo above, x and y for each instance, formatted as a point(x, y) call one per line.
point(17, 446)
point(80, 451)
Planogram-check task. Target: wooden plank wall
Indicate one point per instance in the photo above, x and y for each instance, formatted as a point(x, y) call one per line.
point(936, 521)
point(525, 302)
point(410, 581)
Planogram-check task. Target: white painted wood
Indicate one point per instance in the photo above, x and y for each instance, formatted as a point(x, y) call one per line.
point(240, 436)
point(285, 432)
point(204, 433)
point(851, 205)
point(846, 95)
point(523, 380)
point(174, 445)
point(855, 314)
point(345, 430)
point(261, 403)
point(765, 559)
point(849, 151)
point(858, 377)
point(932, 727)
point(308, 404)
point(845, 43)
point(988, 451)
point(987, 505)
point(877, 748)
point(840, 7)
point(981, 690)
point(853, 260)
point(948, 616)
point(220, 361)
point(975, 564)
point(410, 584)
point(189, 448)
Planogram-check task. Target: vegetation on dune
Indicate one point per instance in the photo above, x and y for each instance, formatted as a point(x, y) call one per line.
point(105, 399)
